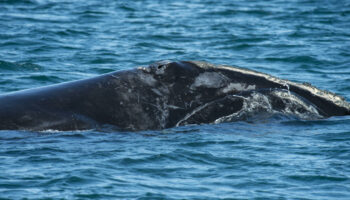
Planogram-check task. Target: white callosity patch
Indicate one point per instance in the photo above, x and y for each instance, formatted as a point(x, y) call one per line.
point(262, 104)
point(210, 80)
point(293, 102)
point(237, 87)
point(145, 69)
point(218, 80)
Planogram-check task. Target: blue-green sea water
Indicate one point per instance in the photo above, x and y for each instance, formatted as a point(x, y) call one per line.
point(44, 42)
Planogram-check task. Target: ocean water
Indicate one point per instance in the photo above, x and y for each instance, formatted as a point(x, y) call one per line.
point(44, 42)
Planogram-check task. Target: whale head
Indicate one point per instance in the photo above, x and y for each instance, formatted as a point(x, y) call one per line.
point(194, 92)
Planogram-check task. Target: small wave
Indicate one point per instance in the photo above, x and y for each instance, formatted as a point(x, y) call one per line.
point(43, 78)
point(19, 66)
point(295, 59)
point(13, 2)
point(319, 122)
point(6, 135)
point(317, 178)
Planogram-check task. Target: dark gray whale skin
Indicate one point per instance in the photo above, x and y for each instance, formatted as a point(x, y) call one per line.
point(162, 95)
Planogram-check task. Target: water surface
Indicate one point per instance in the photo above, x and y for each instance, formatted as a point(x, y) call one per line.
point(46, 42)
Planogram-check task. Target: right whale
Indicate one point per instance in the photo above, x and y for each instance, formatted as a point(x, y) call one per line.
point(166, 94)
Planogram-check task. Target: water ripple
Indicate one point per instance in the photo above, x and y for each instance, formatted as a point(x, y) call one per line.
point(46, 42)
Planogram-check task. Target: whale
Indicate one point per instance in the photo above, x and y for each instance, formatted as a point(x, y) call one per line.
point(165, 94)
